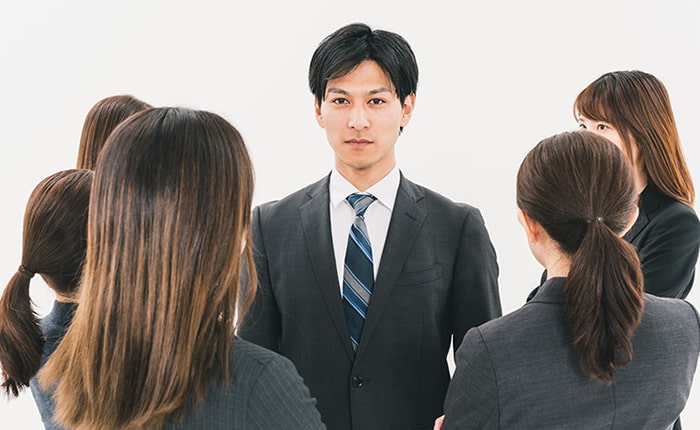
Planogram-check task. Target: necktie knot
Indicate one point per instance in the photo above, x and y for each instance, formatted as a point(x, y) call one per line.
point(360, 202)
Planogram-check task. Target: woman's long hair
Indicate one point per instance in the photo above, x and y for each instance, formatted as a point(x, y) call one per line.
point(100, 121)
point(579, 187)
point(169, 220)
point(53, 245)
point(638, 106)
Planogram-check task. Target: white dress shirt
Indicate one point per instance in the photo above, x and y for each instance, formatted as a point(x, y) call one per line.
point(377, 216)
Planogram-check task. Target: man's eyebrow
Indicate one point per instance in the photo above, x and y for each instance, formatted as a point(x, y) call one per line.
point(337, 90)
point(371, 92)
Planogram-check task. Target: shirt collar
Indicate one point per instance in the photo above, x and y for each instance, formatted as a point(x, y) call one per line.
point(385, 190)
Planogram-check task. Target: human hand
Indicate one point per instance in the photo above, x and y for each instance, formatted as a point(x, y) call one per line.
point(438, 423)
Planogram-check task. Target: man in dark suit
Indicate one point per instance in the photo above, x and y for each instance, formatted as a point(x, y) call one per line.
point(365, 277)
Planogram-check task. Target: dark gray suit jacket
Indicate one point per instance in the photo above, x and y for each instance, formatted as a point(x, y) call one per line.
point(521, 371)
point(264, 393)
point(437, 278)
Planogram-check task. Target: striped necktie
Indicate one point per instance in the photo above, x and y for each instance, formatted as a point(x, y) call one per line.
point(358, 275)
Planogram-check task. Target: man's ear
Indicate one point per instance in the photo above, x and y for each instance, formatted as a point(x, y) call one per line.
point(317, 112)
point(409, 104)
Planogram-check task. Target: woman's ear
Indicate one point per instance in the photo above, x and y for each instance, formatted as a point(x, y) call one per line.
point(533, 229)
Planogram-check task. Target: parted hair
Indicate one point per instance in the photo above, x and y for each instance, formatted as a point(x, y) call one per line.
point(53, 245)
point(344, 49)
point(168, 235)
point(637, 104)
point(100, 121)
point(579, 187)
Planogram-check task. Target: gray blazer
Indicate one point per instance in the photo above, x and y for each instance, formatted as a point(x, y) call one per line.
point(437, 278)
point(521, 371)
point(264, 393)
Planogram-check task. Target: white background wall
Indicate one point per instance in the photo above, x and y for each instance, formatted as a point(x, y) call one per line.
point(495, 78)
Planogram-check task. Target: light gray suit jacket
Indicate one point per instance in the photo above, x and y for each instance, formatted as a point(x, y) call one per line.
point(521, 371)
point(437, 278)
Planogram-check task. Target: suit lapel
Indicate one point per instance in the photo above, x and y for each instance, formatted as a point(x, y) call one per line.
point(316, 224)
point(406, 220)
point(648, 202)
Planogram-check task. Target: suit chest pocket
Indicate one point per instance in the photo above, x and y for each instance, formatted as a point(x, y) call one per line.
point(419, 277)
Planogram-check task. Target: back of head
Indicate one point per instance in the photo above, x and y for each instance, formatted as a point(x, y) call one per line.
point(102, 118)
point(53, 245)
point(171, 208)
point(579, 187)
point(340, 52)
point(638, 105)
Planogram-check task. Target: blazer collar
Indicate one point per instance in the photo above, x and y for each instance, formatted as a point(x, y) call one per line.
point(316, 224)
point(552, 291)
point(649, 201)
point(406, 220)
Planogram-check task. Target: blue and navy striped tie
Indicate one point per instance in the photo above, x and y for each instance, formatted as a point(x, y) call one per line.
point(358, 277)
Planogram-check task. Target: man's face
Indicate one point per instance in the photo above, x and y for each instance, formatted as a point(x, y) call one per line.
point(362, 116)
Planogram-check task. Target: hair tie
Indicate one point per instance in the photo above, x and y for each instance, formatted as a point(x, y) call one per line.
point(594, 219)
point(26, 272)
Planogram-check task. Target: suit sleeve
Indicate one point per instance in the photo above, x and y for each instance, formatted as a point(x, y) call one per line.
point(472, 397)
point(262, 324)
point(670, 253)
point(475, 297)
point(280, 400)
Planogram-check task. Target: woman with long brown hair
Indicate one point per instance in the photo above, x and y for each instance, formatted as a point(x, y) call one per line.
point(53, 246)
point(591, 350)
point(152, 344)
point(103, 117)
point(633, 110)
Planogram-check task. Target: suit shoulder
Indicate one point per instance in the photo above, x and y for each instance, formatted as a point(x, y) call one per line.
point(248, 359)
point(439, 201)
point(669, 308)
point(673, 211)
point(292, 201)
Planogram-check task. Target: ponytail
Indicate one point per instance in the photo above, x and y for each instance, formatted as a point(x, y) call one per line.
point(604, 300)
point(53, 244)
point(21, 340)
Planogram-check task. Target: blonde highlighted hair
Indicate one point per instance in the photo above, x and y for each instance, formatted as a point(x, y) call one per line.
point(167, 239)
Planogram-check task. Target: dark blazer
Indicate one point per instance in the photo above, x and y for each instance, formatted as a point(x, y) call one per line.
point(521, 371)
point(667, 238)
point(264, 392)
point(437, 278)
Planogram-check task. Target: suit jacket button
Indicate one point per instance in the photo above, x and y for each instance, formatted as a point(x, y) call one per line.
point(357, 381)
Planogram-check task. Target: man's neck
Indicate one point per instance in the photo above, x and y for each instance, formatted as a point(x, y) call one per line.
point(364, 179)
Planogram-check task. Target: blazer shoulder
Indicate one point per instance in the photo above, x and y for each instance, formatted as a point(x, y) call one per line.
point(248, 360)
point(294, 200)
point(673, 311)
point(676, 212)
point(435, 200)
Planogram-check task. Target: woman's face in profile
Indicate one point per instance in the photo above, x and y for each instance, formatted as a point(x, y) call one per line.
point(604, 129)
point(609, 132)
